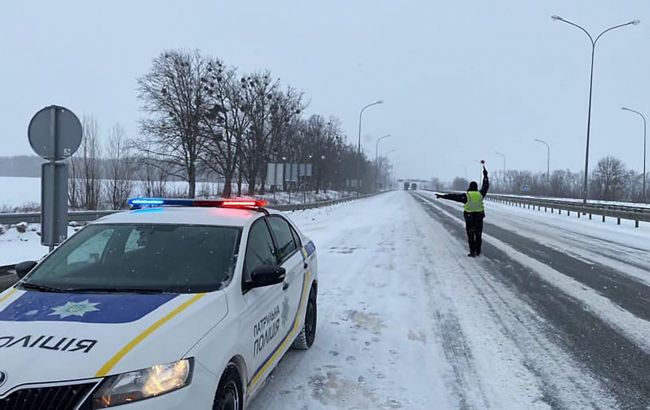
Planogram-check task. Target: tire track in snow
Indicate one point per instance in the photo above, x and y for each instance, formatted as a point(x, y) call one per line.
point(619, 363)
point(623, 258)
point(561, 382)
point(630, 294)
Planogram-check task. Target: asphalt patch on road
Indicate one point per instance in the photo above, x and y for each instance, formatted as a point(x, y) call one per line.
point(621, 365)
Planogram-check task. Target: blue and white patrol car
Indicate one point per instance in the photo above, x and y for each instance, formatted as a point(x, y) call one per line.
point(180, 304)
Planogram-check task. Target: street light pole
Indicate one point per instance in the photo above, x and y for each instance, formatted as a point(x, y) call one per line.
point(359, 142)
point(361, 117)
point(548, 159)
point(504, 168)
point(386, 175)
point(377, 157)
point(377, 146)
point(591, 84)
point(645, 134)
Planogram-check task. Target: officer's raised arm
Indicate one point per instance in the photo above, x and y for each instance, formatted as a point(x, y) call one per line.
point(486, 183)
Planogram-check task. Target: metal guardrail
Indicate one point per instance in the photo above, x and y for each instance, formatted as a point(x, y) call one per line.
point(87, 216)
point(632, 213)
point(35, 217)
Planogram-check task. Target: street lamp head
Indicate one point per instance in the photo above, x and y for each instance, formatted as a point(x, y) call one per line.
point(379, 102)
point(625, 109)
point(556, 18)
point(635, 22)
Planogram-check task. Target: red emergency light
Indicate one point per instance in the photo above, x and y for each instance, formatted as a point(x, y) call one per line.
point(231, 203)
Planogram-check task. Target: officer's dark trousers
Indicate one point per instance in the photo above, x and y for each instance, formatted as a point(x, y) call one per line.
point(474, 227)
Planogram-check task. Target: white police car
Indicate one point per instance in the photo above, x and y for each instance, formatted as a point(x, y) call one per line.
point(186, 306)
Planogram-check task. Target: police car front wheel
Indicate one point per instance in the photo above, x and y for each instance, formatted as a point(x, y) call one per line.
point(229, 393)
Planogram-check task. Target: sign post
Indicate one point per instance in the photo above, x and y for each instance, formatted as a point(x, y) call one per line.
point(55, 134)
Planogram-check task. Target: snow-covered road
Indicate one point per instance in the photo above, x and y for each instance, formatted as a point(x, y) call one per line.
point(408, 321)
point(553, 315)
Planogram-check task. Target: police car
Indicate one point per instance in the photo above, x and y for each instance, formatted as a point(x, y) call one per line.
point(180, 304)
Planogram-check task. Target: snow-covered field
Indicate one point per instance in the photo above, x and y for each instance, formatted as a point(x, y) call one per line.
point(23, 192)
point(406, 320)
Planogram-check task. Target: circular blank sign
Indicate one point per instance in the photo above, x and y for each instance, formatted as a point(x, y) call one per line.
point(55, 133)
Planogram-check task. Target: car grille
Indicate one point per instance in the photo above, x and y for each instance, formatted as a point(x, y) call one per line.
point(47, 398)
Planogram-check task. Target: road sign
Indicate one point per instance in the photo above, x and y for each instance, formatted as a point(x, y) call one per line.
point(291, 172)
point(274, 174)
point(305, 170)
point(55, 133)
point(54, 203)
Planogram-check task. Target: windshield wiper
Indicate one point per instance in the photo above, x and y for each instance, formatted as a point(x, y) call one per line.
point(115, 290)
point(40, 288)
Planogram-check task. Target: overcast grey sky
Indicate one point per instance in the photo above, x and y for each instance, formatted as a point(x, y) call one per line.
point(460, 79)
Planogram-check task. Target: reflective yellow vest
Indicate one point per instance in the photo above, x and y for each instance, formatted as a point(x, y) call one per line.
point(474, 202)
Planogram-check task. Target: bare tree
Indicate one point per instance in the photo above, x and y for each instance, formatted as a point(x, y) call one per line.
point(74, 181)
point(459, 184)
point(609, 179)
point(225, 123)
point(174, 95)
point(119, 183)
point(84, 174)
point(152, 176)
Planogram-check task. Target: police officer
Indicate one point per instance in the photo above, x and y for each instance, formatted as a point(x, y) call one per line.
point(474, 212)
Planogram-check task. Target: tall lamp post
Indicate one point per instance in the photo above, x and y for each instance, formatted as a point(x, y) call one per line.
point(645, 134)
point(377, 156)
point(594, 41)
point(548, 159)
point(377, 145)
point(386, 175)
point(504, 169)
point(359, 142)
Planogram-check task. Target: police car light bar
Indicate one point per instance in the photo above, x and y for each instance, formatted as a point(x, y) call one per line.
point(136, 203)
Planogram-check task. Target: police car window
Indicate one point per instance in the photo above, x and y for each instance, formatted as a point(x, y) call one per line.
point(283, 236)
point(260, 250)
point(153, 257)
point(296, 237)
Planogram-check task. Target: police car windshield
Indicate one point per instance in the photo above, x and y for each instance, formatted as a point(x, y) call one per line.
point(132, 258)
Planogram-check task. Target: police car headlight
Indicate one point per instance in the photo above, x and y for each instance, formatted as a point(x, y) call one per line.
point(143, 384)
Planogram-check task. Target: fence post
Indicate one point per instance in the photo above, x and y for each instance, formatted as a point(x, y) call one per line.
point(618, 221)
point(603, 218)
point(636, 224)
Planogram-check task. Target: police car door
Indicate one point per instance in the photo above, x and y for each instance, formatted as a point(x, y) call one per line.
point(263, 304)
point(292, 259)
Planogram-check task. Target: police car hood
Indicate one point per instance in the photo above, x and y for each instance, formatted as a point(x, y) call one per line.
point(46, 337)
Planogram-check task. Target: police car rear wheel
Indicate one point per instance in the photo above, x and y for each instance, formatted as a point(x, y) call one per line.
point(308, 333)
point(229, 393)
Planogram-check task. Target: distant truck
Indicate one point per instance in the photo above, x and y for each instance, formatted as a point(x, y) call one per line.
point(406, 186)
point(414, 187)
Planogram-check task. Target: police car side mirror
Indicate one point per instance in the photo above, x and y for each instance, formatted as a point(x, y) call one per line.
point(266, 276)
point(23, 268)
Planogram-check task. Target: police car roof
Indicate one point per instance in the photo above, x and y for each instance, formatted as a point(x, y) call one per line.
point(185, 216)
